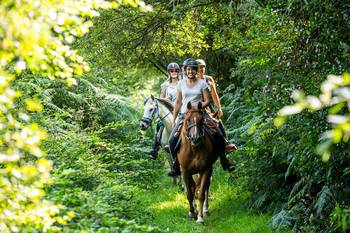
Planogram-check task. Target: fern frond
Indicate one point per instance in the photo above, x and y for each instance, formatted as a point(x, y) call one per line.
point(54, 107)
point(298, 191)
point(282, 220)
point(78, 98)
point(325, 198)
point(89, 85)
point(115, 98)
point(48, 94)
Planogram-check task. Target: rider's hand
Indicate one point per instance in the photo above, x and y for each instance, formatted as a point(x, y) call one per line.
point(220, 113)
point(174, 123)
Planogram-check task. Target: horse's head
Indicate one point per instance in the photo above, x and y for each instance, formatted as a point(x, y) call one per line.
point(151, 111)
point(194, 123)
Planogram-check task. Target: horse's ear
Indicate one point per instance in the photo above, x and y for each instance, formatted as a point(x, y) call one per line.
point(152, 97)
point(200, 106)
point(189, 105)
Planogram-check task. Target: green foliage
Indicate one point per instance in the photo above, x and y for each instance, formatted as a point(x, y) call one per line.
point(258, 51)
point(99, 178)
point(35, 36)
point(334, 95)
point(99, 165)
point(340, 217)
point(281, 166)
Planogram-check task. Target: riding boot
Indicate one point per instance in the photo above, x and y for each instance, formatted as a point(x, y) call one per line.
point(155, 147)
point(229, 147)
point(175, 170)
point(156, 140)
point(225, 163)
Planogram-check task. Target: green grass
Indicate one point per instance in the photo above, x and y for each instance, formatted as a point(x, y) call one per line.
point(169, 208)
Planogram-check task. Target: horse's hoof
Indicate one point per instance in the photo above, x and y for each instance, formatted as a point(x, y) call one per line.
point(200, 220)
point(192, 215)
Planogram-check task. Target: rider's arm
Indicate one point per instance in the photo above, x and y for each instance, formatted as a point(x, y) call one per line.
point(177, 106)
point(214, 95)
point(206, 99)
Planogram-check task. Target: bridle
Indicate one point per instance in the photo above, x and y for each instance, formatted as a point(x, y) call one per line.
point(154, 114)
point(199, 126)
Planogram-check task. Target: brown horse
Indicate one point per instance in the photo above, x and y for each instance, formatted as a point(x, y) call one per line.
point(196, 156)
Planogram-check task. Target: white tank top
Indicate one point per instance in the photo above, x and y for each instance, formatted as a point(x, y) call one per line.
point(170, 90)
point(191, 94)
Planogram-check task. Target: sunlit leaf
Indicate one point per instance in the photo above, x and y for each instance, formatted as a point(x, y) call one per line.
point(314, 103)
point(290, 110)
point(337, 119)
point(279, 121)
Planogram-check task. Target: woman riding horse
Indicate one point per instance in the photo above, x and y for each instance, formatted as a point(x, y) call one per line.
point(168, 91)
point(193, 90)
point(214, 98)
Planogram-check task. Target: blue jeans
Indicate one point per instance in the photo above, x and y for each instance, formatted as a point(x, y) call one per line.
point(172, 139)
point(156, 139)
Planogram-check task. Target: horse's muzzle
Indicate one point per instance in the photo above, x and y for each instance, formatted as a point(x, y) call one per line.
point(143, 126)
point(195, 141)
point(145, 122)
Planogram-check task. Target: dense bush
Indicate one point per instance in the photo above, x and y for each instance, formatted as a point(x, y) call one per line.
point(258, 51)
point(99, 161)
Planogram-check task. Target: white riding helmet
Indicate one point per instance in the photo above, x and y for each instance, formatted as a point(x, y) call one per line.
point(201, 62)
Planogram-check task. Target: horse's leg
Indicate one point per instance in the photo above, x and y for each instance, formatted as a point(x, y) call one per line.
point(181, 183)
point(196, 177)
point(194, 191)
point(206, 200)
point(189, 192)
point(204, 186)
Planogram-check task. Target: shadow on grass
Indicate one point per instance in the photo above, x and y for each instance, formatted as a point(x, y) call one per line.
point(169, 208)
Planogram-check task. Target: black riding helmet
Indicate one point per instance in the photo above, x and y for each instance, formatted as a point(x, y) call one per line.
point(190, 63)
point(173, 66)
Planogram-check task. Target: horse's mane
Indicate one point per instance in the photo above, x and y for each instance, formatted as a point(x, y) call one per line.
point(167, 103)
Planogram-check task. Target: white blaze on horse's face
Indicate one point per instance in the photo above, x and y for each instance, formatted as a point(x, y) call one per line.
point(194, 127)
point(149, 108)
point(149, 113)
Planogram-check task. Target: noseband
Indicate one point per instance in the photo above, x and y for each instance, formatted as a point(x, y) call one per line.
point(148, 120)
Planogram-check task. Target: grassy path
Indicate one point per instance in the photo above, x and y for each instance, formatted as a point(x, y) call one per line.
point(228, 215)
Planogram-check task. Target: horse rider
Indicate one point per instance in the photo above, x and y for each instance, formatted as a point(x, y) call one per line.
point(168, 91)
point(215, 98)
point(191, 89)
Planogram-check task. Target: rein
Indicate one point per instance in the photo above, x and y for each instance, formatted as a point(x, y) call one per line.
point(165, 115)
